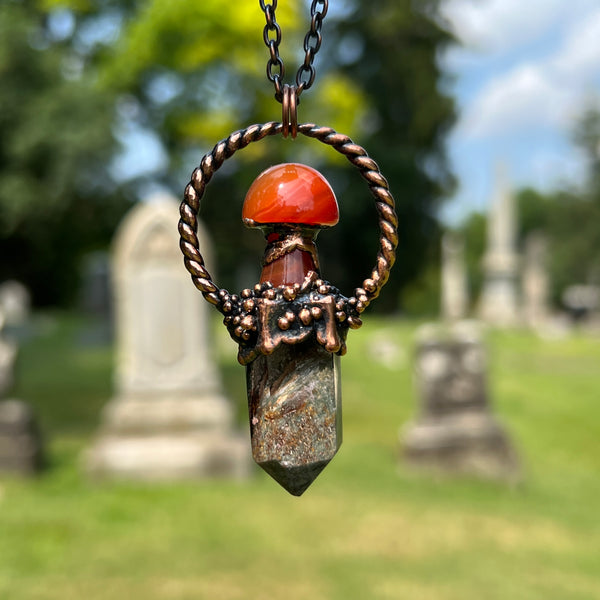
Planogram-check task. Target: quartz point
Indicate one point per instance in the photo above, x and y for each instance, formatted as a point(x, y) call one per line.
point(295, 411)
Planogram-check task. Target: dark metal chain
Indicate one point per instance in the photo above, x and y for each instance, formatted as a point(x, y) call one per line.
point(312, 42)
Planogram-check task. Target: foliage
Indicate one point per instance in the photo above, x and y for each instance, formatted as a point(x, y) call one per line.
point(570, 221)
point(571, 217)
point(421, 299)
point(568, 218)
point(367, 528)
point(56, 142)
point(474, 233)
point(196, 71)
point(570, 224)
point(191, 72)
point(587, 137)
point(409, 115)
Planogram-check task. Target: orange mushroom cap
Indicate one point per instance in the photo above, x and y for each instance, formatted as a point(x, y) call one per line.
point(290, 193)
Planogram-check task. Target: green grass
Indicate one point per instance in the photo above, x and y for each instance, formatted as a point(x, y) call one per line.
point(367, 528)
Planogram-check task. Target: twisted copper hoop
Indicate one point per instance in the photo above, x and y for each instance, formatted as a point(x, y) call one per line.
point(212, 161)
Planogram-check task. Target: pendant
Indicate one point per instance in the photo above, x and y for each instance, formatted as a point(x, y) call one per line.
point(291, 327)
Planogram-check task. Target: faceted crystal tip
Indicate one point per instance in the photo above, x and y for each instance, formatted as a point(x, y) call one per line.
point(295, 480)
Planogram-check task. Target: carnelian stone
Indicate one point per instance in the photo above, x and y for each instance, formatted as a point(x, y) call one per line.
point(289, 269)
point(290, 193)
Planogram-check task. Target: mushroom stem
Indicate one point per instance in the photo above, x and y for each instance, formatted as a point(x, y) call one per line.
point(289, 256)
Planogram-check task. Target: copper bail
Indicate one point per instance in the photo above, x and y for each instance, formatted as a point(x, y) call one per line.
point(289, 104)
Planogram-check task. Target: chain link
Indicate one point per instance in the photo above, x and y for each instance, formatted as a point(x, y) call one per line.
point(305, 76)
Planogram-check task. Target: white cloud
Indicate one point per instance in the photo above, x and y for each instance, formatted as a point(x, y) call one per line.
point(542, 93)
point(579, 57)
point(525, 98)
point(526, 71)
point(549, 168)
point(498, 25)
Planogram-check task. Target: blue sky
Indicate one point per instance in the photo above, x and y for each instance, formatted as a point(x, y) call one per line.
point(525, 72)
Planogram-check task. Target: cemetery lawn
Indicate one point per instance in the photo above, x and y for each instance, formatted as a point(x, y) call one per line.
point(367, 528)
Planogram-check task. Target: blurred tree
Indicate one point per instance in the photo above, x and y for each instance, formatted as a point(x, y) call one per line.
point(570, 218)
point(474, 234)
point(571, 221)
point(195, 72)
point(587, 137)
point(394, 46)
point(57, 199)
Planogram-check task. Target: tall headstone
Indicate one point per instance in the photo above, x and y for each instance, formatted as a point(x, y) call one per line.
point(455, 431)
point(454, 279)
point(169, 418)
point(499, 299)
point(535, 282)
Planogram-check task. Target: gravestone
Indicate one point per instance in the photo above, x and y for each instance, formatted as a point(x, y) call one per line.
point(95, 287)
point(8, 355)
point(21, 449)
point(535, 282)
point(499, 301)
point(581, 301)
point(455, 431)
point(454, 279)
point(169, 418)
point(20, 441)
point(15, 302)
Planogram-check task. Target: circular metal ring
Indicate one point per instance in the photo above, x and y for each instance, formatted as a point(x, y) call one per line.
point(285, 111)
point(289, 111)
point(213, 160)
point(293, 111)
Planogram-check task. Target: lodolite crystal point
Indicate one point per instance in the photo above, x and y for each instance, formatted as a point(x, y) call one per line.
point(295, 413)
point(295, 480)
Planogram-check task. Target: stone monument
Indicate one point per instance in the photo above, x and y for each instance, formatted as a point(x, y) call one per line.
point(20, 442)
point(21, 450)
point(454, 279)
point(535, 282)
point(15, 302)
point(96, 289)
point(8, 356)
point(169, 418)
point(581, 301)
point(499, 301)
point(455, 431)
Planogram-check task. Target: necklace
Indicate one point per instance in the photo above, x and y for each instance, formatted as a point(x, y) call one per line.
point(291, 327)
point(289, 96)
